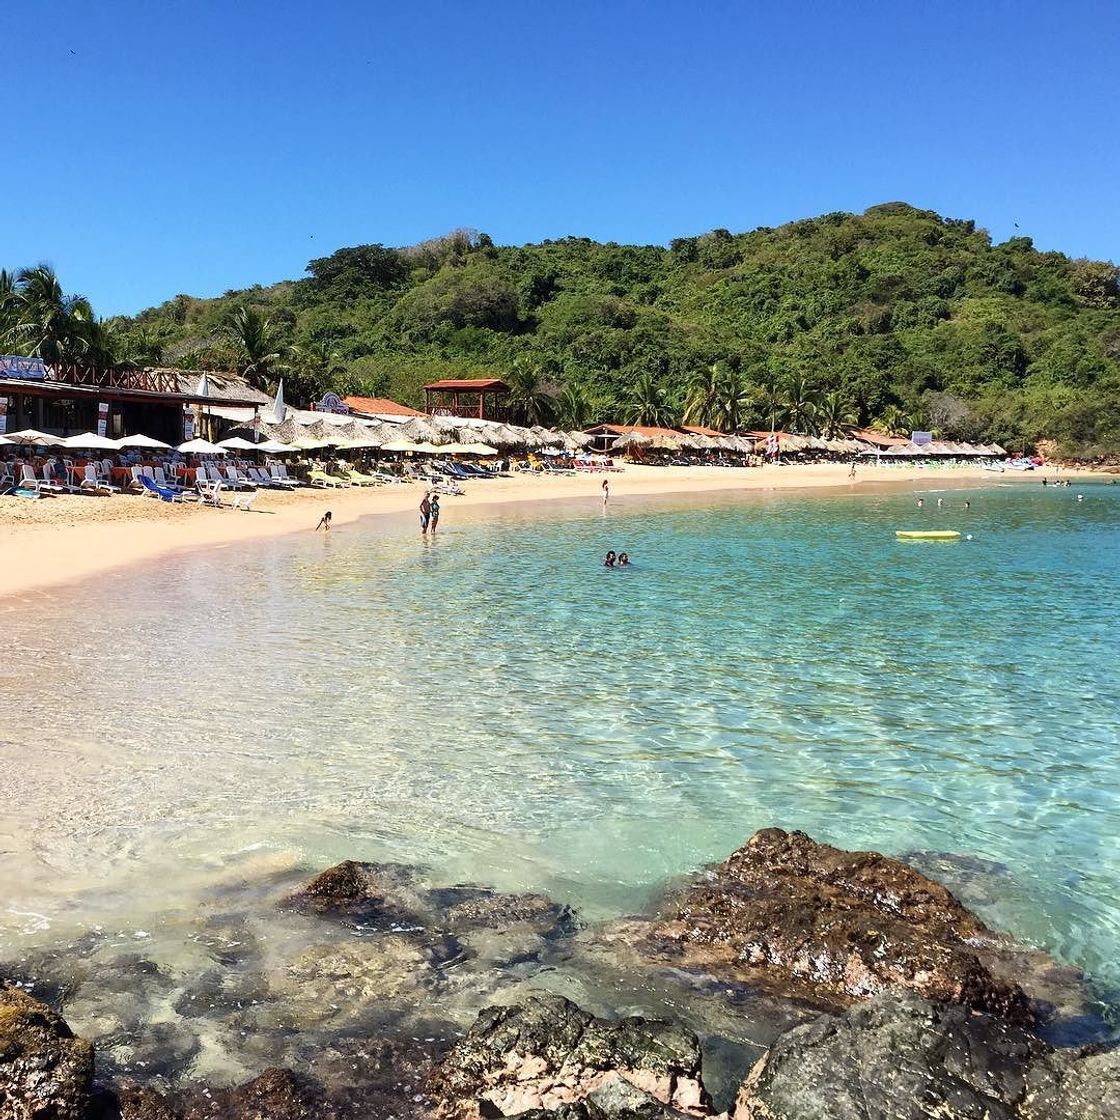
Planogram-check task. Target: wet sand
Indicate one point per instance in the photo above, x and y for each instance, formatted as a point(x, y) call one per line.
point(53, 541)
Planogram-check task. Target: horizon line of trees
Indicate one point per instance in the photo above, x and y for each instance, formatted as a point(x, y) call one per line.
point(896, 318)
point(38, 319)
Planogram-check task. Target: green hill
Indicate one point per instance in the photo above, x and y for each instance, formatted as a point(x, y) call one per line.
point(896, 315)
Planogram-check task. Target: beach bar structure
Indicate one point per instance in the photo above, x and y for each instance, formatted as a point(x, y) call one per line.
point(64, 401)
point(482, 396)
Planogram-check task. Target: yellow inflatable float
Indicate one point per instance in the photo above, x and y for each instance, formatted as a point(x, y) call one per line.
point(927, 535)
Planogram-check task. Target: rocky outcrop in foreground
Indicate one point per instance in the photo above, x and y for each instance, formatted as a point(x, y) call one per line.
point(547, 1053)
point(45, 1072)
point(899, 1057)
point(843, 925)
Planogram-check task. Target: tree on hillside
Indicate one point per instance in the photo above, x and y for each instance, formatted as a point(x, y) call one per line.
point(258, 348)
point(800, 404)
point(893, 421)
point(717, 398)
point(311, 370)
point(647, 403)
point(528, 401)
point(573, 408)
point(834, 413)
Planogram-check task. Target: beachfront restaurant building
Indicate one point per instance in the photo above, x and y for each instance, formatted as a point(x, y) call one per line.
point(479, 397)
point(160, 402)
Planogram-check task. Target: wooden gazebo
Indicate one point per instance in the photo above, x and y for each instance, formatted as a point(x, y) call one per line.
point(446, 397)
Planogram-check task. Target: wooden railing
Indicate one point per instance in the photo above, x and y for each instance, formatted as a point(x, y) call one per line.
point(147, 380)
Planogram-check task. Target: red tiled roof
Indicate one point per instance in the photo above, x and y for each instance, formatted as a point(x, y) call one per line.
point(468, 385)
point(869, 435)
point(626, 429)
point(700, 430)
point(379, 406)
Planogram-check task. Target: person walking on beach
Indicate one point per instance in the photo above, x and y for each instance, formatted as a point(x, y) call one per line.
point(606, 492)
point(433, 514)
point(425, 513)
point(324, 523)
point(852, 471)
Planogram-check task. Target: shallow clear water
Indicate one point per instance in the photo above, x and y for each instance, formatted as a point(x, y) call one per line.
point(495, 705)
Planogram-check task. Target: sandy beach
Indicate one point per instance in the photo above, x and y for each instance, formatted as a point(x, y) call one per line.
point(69, 538)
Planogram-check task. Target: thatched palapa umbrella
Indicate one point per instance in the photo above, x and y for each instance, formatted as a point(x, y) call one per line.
point(629, 440)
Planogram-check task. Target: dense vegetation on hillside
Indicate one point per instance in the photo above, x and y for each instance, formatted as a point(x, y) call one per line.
point(896, 316)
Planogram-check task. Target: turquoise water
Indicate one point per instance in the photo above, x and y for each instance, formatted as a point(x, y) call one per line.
point(496, 705)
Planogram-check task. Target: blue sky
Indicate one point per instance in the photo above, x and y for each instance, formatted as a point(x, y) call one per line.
point(158, 148)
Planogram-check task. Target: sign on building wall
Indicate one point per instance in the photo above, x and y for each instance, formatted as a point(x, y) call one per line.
point(3, 415)
point(188, 424)
point(332, 402)
point(102, 417)
point(26, 369)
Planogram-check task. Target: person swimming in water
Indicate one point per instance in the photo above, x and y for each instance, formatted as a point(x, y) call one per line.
point(940, 502)
point(921, 503)
point(967, 505)
point(610, 560)
point(623, 560)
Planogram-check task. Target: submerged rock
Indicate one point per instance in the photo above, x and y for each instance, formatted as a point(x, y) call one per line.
point(365, 896)
point(45, 1072)
point(899, 1057)
point(845, 925)
point(547, 1053)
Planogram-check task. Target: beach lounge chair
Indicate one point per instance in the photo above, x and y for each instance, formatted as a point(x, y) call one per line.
point(39, 485)
point(237, 480)
point(161, 479)
point(164, 493)
point(280, 474)
point(91, 484)
point(360, 479)
point(322, 479)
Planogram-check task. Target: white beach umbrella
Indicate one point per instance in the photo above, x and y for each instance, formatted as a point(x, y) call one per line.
point(143, 441)
point(29, 437)
point(481, 449)
point(5, 442)
point(91, 441)
point(236, 443)
point(401, 445)
point(274, 447)
point(200, 447)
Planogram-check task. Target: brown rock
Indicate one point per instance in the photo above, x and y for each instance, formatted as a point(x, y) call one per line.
point(547, 1054)
point(844, 924)
point(45, 1072)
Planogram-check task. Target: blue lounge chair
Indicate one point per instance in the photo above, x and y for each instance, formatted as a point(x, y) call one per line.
point(163, 492)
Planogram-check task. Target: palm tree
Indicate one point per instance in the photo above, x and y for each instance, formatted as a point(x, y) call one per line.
point(52, 325)
point(258, 347)
point(833, 414)
point(573, 407)
point(893, 421)
point(528, 401)
point(9, 309)
point(312, 369)
point(702, 395)
point(646, 403)
point(800, 402)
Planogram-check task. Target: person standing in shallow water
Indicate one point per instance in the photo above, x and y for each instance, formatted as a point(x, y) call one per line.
point(606, 492)
point(425, 514)
point(433, 514)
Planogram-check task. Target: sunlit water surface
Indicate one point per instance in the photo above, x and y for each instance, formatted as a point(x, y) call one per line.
point(496, 706)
